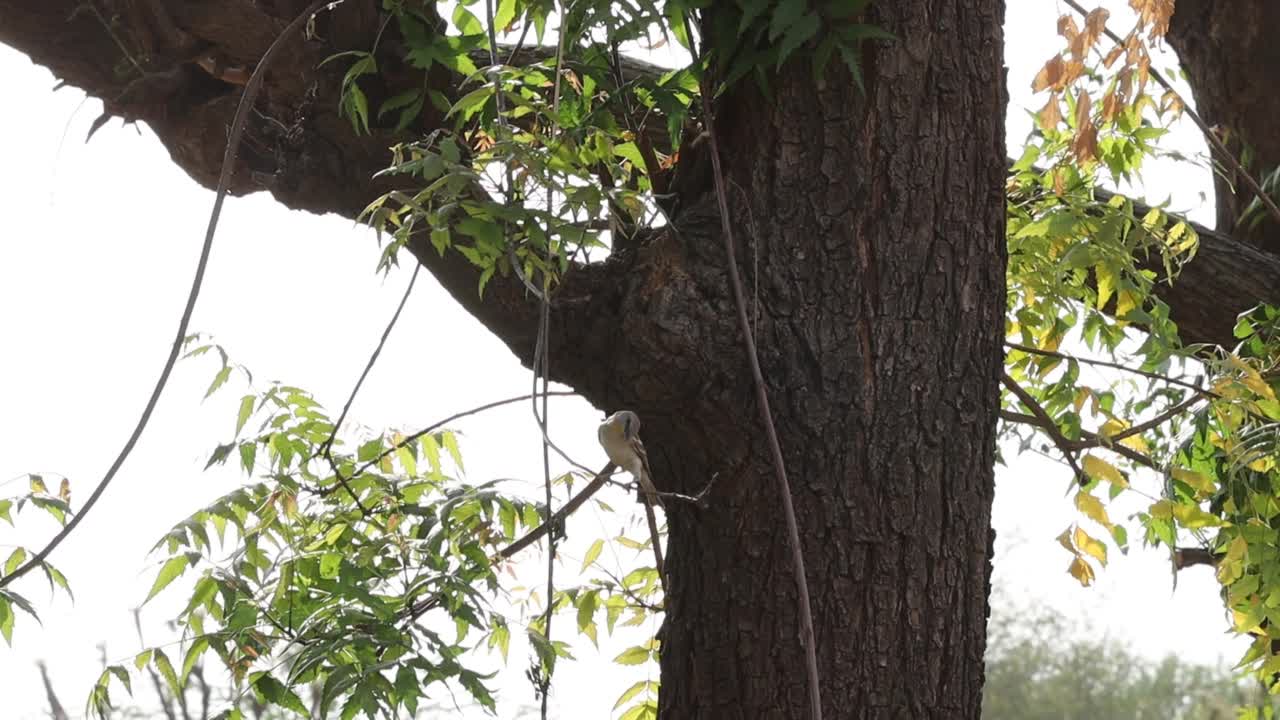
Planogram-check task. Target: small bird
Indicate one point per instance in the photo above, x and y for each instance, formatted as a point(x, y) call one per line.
point(619, 435)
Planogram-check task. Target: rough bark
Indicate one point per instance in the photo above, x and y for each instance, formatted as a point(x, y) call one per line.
point(1231, 57)
point(876, 224)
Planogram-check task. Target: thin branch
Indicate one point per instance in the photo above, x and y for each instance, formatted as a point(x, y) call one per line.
point(224, 180)
point(600, 480)
point(56, 711)
point(1096, 440)
point(1047, 424)
point(1209, 135)
point(327, 446)
point(1154, 422)
point(531, 537)
point(655, 539)
point(1113, 365)
point(805, 610)
point(441, 423)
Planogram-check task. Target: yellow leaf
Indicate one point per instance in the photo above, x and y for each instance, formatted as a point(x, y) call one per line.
point(1192, 517)
point(1198, 481)
point(1106, 284)
point(1080, 570)
point(1100, 469)
point(1135, 442)
point(1162, 510)
point(1082, 394)
point(1231, 565)
point(1254, 382)
point(1093, 509)
point(1263, 464)
point(1126, 300)
point(1092, 546)
point(1114, 426)
point(1065, 540)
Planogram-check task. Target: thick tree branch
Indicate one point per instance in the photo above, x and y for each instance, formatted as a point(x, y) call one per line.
point(299, 150)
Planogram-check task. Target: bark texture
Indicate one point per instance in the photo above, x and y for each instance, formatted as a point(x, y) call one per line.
point(873, 231)
point(1231, 57)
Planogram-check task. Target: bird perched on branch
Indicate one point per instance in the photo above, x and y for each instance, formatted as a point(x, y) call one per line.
point(620, 436)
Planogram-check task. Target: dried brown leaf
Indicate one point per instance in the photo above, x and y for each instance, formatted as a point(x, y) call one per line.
point(1051, 114)
point(1050, 76)
point(1154, 14)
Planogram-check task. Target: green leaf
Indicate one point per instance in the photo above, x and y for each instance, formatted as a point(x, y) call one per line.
point(330, 562)
point(450, 441)
point(275, 692)
point(472, 101)
point(505, 15)
point(219, 455)
point(784, 16)
point(631, 692)
point(248, 453)
point(122, 675)
point(218, 380)
point(198, 647)
point(751, 10)
point(637, 655)
point(161, 662)
point(631, 152)
point(15, 559)
point(246, 409)
point(593, 552)
point(56, 577)
point(169, 572)
point(467, 23)
point(798, 34)
point(6, 620)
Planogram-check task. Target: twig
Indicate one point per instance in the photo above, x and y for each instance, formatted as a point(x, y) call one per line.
point(1096, 440)
point(655, 539)
point(327, 446)
point(441, 423)
point(56, 711)
point(805, 612)
point(224, 180)
point(1154, 422)
point(1209, 135)
point(534, 535)
point(1047, 424)
point(1113, 365)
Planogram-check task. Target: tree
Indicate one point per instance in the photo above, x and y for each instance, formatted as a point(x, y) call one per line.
point(870, 198)
point(1040, 664)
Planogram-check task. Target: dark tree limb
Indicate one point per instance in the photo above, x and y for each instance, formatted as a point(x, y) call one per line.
point(1188, 556)
point(307, 157)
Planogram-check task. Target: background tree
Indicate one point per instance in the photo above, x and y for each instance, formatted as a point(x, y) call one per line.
point(878, 314)
point(1041, 665)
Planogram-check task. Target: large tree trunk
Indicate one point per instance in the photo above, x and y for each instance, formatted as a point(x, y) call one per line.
point(877, 226)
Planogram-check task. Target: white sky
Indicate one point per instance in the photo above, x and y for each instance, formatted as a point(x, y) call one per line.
point(97, 245)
